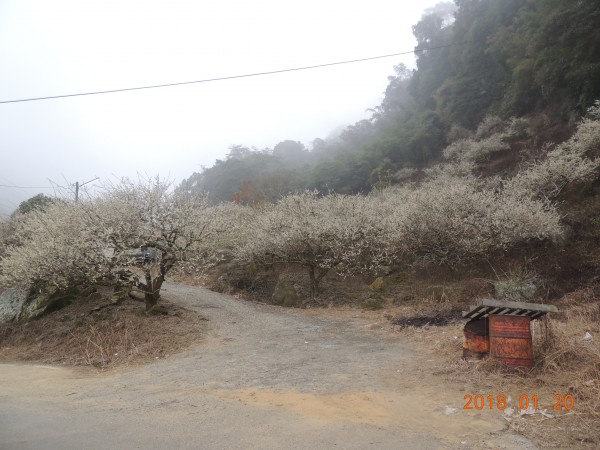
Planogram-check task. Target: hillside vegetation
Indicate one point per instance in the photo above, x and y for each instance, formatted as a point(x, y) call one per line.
point(475, 58)
point(477, 176)
point(457, 170)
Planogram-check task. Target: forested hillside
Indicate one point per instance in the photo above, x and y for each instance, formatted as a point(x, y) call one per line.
point(475, 58)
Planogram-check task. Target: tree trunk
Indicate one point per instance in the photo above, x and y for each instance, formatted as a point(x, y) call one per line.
point(313, 282)
point(151, 299)
point(315, 278)
point(152, 290)
point(152, 287)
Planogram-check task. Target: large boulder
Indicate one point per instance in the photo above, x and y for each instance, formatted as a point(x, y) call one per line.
point(11, 303)
point(46, 300)
point(23, 303)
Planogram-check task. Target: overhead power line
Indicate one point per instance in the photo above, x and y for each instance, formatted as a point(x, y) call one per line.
point(232, 77)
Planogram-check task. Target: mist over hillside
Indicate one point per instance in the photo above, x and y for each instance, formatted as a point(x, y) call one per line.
point(515, 58)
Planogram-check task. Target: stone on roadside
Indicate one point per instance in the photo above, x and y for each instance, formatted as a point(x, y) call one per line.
point(11, 303)
point(285, 294)
point(137, 295)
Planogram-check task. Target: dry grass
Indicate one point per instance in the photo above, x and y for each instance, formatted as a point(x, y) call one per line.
point(565, 363)
point(108, 343)
point(90, 333)
point(570, 349)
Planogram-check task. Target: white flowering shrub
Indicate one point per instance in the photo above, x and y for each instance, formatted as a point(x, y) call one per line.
point(334, 232)
point(489, 126)
point(455, 169)
point(454, 217)
point(566, 163)
point(451, 218)
point(452, 221)
point(472, 150)
point(586, 139)
point(492, 136)
point(448, 220)
point(9, 232)
point(593, 111)
point(404, 174)
point(86, 241)
point(55, 246)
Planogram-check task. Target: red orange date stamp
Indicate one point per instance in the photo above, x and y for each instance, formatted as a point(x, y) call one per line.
point(501, 402)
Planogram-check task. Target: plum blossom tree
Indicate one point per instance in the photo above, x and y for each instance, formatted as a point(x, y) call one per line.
point(322, 234)
point(454, 220)
point(94, 239)
point(149, 215)
point(55, 246)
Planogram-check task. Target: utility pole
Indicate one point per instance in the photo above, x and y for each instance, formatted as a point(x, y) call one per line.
point(77, 186)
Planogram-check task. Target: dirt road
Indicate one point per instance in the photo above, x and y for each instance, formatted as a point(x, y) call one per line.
point(265, 377)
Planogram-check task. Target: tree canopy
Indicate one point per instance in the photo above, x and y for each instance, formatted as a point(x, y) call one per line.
point(475, 58)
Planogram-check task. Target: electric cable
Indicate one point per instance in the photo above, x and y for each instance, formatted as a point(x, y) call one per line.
point(232, 77)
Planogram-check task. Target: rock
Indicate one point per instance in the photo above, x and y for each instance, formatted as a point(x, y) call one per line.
point(588, 336)
point(285, 294)
point(35, 304)
point(379, 284)
point(45, 300)
point(137, 295)
point(11, 303)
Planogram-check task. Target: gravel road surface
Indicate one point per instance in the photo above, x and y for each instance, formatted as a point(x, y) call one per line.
point(265, 377)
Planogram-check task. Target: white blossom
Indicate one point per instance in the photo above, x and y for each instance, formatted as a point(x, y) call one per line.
point(93, 239)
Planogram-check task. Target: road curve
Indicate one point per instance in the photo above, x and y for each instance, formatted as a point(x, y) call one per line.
point(265, 377)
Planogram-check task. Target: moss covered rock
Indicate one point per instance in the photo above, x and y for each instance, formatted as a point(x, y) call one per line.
point(45, 300)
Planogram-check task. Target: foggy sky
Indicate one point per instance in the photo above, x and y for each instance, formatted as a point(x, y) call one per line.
point(70, 46)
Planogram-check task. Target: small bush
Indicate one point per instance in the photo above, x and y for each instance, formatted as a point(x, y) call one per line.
point(517, 286)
